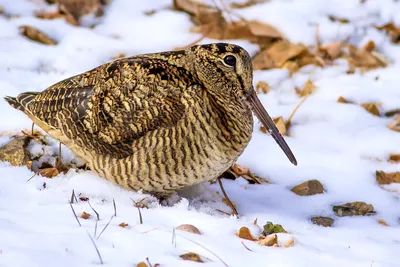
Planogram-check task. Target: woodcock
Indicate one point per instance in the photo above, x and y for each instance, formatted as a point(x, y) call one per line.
point(158, 122)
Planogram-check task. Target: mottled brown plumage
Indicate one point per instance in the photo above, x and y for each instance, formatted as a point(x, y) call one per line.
point(158, 122)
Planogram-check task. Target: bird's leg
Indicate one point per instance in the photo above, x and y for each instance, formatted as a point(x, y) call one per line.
point(228, 201)
point(33, 126)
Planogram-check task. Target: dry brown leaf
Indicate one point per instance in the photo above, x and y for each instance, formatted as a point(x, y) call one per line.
point(392, 31)
point(289, 243)
point(262, 86)
point(332, 50)
point(79, 8)
point(282, 51)
point(36, 35)
point(281, 125)
point(383, 222)
point(269, 240)
point(372, 108)
point(308, 88)
point(263, 61)
point(189, 228)
point(255, 221)
point(50, 172)
point(240, 171)
point(291, 66)
point(123, 225)
point(387, 178)
point(394, 158)
point(365, 60)
point(263, 30)
point(191, 256)
point(85, 215)
point(142, 264)
point(395, 125)
point(191, 6)
point(343, 100)
point(245, 233)
point(246, 4)
point(337, 19)
point(370, 46)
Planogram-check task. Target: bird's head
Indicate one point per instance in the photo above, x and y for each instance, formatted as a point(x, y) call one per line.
point(226, 71)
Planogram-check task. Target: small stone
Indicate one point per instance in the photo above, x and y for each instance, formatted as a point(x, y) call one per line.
point(311, 187)
point(354, 209)
point(15, 151)
point(322, 221)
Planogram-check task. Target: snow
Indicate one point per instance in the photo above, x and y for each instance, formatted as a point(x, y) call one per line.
point(341, 145)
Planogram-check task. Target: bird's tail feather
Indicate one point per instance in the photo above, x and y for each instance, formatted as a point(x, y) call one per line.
point(21, 100)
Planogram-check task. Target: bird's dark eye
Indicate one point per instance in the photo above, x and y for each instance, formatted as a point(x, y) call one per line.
point(230, 60)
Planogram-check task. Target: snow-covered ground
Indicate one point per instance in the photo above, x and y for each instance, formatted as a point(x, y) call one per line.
point(340, 145)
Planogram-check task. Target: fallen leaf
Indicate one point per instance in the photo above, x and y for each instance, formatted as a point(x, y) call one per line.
point(262, 86)
point(363, 59)
point(343, 100)
point(263, 30)
point(382, 222)
point(142, 264)
point(269, 240)
point(83, 198)
point(123, 225)
point(395, 125)
point(354, 209)
point(337, 19)
point(270, 228)
point(394, 158)
point(281, 125)
point(291, 66)
point(392, 30)
point(289, 243)
point(246, 4)
point(237, 171)
point(255, 221)
point(370, 46)
point(391, 113)
point(36, 35)
point(189, 228)
point(49, 172)
point(322, 221)
point(387, 178)
point(372, 108)
point(245, 233)
point(80, 8)
point(85, 215)
point(308, 88)
point(282, 51)
point(308, 188)
point(332, 50)
point(191, 256)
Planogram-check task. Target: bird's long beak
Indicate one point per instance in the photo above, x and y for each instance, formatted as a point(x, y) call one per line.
point(269, 124)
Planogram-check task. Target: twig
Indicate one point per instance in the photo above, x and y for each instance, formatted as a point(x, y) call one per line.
point(234, 211)
point(97, 214)
point(148, 262)
point(105, 227)
point(76, 217)
point(95, 229)
point(73, 196)
point(97, 250)
point(173, 238)
point(246, 247)
point(36, 173)
point(115, 208)
point(295, 109)
point(140, 216)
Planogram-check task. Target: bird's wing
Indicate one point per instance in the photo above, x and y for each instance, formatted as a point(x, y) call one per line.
point(108, 108)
